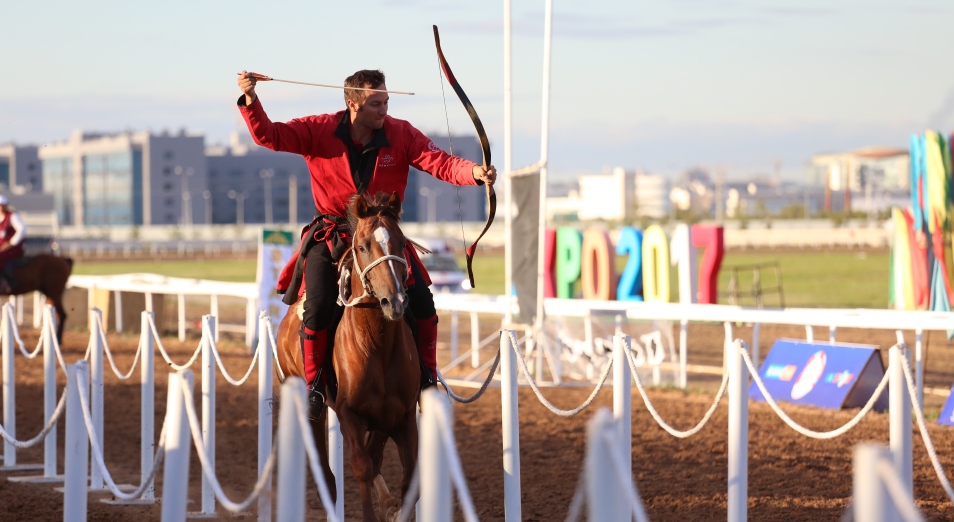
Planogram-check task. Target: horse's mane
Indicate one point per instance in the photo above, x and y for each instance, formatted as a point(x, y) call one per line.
point(377, 204)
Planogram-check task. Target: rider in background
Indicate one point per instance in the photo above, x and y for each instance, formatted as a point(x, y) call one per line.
point(357, 150)
point(12, 233)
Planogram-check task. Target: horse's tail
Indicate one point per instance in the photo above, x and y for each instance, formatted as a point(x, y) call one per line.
point(69, 261)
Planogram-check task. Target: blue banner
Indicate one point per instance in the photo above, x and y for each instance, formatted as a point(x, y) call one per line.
point(947, 414)
point(829, 375)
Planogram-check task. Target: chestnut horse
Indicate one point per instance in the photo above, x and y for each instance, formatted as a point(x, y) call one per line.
point(44, 273)
point(374, 356)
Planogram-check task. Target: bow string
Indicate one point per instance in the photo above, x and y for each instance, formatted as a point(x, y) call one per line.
point(484, 148)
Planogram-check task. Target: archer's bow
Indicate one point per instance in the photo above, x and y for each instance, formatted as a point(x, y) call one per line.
point(484, 148)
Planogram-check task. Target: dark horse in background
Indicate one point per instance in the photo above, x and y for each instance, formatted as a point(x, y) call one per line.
point(44, 273)
point(374, 356)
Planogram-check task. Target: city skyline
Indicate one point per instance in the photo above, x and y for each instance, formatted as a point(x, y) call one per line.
point(662, 86)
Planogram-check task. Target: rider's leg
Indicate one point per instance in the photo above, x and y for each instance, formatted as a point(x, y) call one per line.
point(6, 256)
point(422, 306)
point(320, 293)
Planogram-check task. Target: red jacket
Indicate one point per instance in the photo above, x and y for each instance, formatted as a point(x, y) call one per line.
point(332, 185)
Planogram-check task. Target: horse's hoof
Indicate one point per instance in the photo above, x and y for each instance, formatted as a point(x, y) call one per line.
point(381, 492)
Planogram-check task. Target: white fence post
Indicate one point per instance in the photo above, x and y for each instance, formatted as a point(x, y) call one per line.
point(623, 400)
point(96, 388)
point(264, 413)
point(474, 340)
point(607, 499)
point(436, 489)
point(75, 494)
point(899, 411)
point(208, 410)
point(870, 499)
point(49, 392)
point(290, 490)
point(148, 401)
point(511, 427)
point(178, 446)
point(738, 433)
point(336, 460)
point(9, 389)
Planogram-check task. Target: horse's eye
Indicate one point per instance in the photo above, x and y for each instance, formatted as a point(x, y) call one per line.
point(362, 249)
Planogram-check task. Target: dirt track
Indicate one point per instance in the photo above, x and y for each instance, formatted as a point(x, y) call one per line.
point(791, 477)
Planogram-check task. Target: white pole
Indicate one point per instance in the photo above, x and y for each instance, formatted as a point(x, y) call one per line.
point(336, 460)
point(899, 408)
point(118, 310)
point(474, 340)
point(544, 152)
point(77, 446)
point(264, 414)
point(508, 161)
point(9, 390)
point(208, 410)
point(832, 330)
point(178, 446)
point(436, 491)
point(607, 499)
point(148, 400)
point(623, 400)
point(738, 433)
point(96, 387)
point(214, 306)
point(37, 310)
point(919, 365)
point(290, 489)
point(511, 427)
point(49, 391)
point(182, 317)
point(871, 501)
point(683, 353)
point(754, 351)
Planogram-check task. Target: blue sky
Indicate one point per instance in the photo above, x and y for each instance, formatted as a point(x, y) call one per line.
point(661, 85)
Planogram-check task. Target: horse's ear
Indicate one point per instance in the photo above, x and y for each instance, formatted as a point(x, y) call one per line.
point(395, 203)
point(360, 207)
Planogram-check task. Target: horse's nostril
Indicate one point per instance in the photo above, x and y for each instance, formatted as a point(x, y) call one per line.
point(384, 301)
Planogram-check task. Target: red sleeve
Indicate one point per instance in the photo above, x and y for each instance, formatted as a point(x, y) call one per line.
point(297, 136)
point(424, 155)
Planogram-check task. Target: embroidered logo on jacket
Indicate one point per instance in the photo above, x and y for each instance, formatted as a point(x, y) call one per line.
point(386, 161)
point(433, 148)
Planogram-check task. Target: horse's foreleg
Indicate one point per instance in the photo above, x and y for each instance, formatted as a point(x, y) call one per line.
point(376, 442)
point(319, 433)
point(406, 439)
point(354, 429)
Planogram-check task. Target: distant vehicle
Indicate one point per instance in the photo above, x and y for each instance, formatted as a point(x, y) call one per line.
point(446, 275)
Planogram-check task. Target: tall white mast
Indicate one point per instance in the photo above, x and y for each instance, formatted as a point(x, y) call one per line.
point(508, 163)
point(544, 159)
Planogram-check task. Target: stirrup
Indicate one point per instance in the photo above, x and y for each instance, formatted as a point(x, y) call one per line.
point(316, 397)
point(427, 380)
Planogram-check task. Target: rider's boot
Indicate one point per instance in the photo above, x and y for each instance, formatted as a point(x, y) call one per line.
point(5, 288)
point(427, 349)
point(314, 344)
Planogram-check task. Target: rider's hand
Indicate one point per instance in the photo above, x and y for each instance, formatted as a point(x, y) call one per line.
point(246, 82)
point(488, 176)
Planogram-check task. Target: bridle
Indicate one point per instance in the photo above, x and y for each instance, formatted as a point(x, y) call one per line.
point(344, 277)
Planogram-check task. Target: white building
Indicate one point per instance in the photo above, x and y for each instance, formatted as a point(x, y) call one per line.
point(607, 197)
point(652, 195)
point(126, 178)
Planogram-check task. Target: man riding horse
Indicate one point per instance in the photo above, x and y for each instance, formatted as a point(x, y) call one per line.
point(12, 233)
point(357, 150)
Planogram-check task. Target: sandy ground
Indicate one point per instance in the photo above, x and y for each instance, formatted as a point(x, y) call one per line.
point(791, 477)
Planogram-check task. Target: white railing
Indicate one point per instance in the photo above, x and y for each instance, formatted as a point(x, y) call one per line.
point(739, 367)
point(153, 284)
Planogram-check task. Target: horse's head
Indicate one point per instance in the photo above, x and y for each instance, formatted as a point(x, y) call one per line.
point(378, 250)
